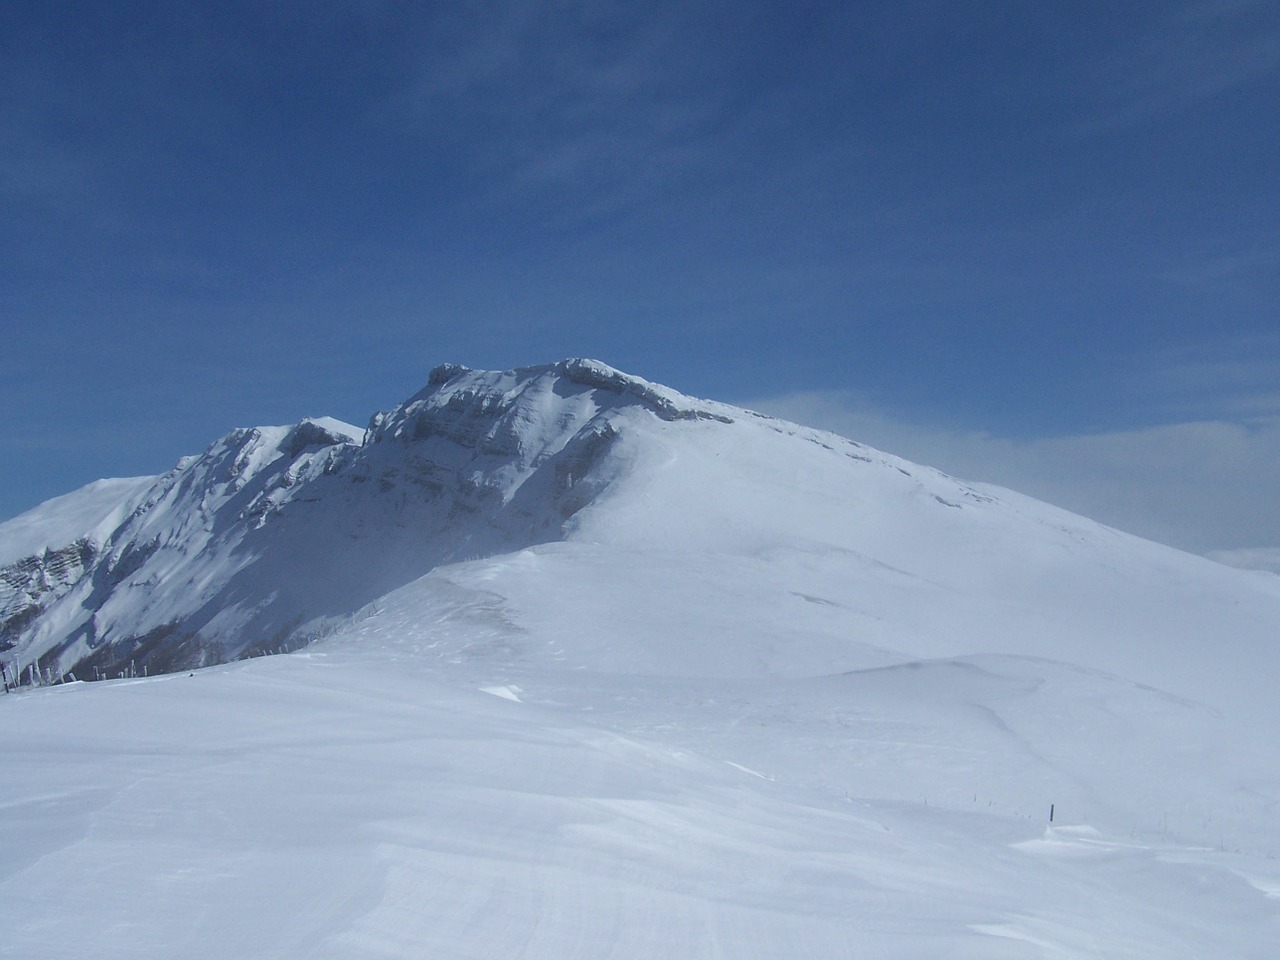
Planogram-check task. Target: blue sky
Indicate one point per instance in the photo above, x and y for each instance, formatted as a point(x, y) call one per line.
point(994, 224)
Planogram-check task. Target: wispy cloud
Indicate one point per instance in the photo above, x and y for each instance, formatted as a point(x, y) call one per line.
point(33, 164)
point(1247, 264)
point(1236, 379)
point(33, 168)
point(1201, 486)
point(609, 101)
point(1192, 53)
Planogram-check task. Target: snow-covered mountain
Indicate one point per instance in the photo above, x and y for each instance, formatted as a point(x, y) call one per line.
point(273, 535)
point(597, 669)
point(275, 530)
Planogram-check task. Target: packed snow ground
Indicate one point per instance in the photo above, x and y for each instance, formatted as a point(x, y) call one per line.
point(771, 695)
point(485, 764)
point(358, 800)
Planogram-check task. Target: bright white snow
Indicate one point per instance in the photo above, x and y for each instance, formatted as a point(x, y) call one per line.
point(765, 693)
point(93, 511)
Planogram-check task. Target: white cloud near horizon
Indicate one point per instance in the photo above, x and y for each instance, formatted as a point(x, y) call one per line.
point(1202, 486)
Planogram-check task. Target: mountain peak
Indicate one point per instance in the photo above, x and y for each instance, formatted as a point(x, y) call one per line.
point(274, 531)
point(271, 527)
point(575, 375)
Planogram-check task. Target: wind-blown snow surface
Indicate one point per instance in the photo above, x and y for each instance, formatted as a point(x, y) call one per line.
point(753, 691)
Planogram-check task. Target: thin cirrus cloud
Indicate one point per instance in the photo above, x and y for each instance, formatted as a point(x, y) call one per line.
point(1237, 380)
point(559, 90)
point(1191, 54)
point(540, 77)
point(1247, 265)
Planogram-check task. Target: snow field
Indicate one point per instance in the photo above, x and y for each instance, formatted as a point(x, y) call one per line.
point(325, 805)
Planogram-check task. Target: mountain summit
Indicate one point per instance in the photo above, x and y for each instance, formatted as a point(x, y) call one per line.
point(246, 546)
point(232, 550)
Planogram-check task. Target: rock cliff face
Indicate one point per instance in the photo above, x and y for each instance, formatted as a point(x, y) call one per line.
point(29, 586)
point(253, 543)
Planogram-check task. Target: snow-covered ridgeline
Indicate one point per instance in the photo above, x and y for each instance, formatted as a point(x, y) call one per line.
point(274, 531)
point(227, 551)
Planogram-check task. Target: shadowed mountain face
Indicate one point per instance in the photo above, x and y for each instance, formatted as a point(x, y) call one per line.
point(271, 530)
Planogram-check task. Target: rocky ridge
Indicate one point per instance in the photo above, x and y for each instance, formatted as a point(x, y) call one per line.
point(242, 548)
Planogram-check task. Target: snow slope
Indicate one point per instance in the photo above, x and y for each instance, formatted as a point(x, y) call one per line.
point(254, 543)
point(90, 512)
point(611, 672)
point(353, 800)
